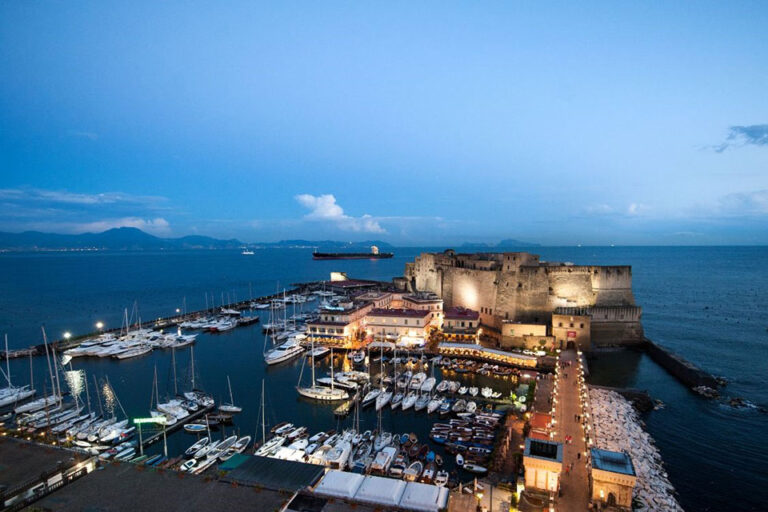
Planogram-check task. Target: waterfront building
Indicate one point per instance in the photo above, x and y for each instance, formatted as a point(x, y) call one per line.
point(541, 426)
point(461, 325)
point(425, 302)
point(339, 325)
point(571, 328)
point(404, 326)
point(543, 461)
point(519, 287)
point(613, 478)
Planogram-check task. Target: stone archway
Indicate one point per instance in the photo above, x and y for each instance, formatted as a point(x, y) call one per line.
point(611, 500)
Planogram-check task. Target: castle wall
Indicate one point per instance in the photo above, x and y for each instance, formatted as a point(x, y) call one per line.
point(518, 287)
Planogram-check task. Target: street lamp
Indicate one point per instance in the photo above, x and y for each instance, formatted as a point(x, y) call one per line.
point(100, 326)
point(67, 335)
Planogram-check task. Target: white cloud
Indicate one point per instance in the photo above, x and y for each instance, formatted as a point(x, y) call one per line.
point(325, 208)
point(156, 226)
point(36, 195)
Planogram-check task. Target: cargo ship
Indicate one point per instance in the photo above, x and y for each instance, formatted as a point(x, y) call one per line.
point(373, 255)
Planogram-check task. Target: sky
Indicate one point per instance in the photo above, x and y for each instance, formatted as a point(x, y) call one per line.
point(416, 123)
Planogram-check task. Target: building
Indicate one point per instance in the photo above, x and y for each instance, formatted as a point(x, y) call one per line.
point(404, 326)
point(339, 325)
point(518, 287)
point(427, 302)
point(613, 479)
point(571, 329)
point(543, 461)
point(524, 335)
point(461, 325)
point(541, 426)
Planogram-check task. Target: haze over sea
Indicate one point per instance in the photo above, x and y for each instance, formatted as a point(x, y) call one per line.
point(706, 303)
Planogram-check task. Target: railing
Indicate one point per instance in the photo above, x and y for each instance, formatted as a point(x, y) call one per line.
point(48, 489)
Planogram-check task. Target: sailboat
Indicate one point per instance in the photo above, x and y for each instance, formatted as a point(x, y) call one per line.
point(326, 394)
point(230, 407)
point(12, 394)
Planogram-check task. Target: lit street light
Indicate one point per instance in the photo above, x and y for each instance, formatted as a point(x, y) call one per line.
point(100, 326)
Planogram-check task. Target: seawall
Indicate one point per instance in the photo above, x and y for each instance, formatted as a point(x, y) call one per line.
point(685, 371)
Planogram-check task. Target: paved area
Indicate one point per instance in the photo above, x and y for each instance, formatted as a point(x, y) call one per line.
point(119, 487)
point(574, 483)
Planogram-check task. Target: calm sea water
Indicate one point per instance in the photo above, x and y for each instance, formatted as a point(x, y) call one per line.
point(705, 303)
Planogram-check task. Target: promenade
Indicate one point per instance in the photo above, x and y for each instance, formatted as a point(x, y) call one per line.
point(574, 482)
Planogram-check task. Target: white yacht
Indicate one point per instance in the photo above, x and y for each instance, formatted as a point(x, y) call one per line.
point(283, 352)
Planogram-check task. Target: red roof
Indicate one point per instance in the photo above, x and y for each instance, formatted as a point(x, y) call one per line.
point(411, 313)
point(539, 435)
point(540, 421)
point(458, 313)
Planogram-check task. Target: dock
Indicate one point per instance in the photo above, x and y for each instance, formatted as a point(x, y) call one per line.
point(157, 435)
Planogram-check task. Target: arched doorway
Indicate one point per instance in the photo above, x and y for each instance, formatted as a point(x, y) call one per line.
point(570, 345)
point(611, 499)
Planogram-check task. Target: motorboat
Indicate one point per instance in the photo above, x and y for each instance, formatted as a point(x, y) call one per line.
point(441, 478)
point(474, 468)
point(433, 405)
point(413, 471)
point(397, 399)
point(196, 446)
point(417, 380)
point(428, 385)
point(283, 352)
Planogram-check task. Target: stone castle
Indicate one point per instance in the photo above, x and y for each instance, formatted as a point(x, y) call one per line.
point(519, 296)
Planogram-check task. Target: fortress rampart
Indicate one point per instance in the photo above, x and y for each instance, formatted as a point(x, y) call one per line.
point(519, 287)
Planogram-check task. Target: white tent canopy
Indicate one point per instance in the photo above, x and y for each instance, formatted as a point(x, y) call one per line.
point(339, 484)
point(381, 491)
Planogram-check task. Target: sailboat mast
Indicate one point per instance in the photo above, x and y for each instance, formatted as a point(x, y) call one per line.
point(192, 355)
point(331, 367)
point(98, 395)
point(313, 362)
point(231, 398)
point(175, 382)
point(87, 394)
point(8, 362)
point(31, 372)
point(263, 415)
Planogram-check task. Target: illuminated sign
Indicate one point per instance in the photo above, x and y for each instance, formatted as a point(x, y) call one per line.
point(571, 334)
point(155, 419)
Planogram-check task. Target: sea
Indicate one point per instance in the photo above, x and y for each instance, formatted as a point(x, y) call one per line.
point(705, 303)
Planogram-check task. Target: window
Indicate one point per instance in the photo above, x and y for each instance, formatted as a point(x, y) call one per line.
point(581, 326)
point(560, 324)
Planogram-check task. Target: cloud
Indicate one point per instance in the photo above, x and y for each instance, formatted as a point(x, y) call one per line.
point(744, 204)
point(65, 197)
point(62, 211)
point(156, 226)
point(606, 210)
point(739, 136)
point(325, 208)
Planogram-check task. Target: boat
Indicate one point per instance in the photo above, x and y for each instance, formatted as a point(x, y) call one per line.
point(410, 400)
point(474, 468)
point(203, 465)
point(382, 440)
point(459, 460)
point(230, 408)
point(322, 393)
point(441, 478)
point(434, 405)
point(370, 397)
point(417, 380)
point(195, 427)
point(429, 473)
point(459, 406)
point(383, 460)
point(196, 447)
point(428, 385)
point(239, 447)
point(283, 352)
point(413, 471)
point(442, 387)
point(373, 255)
point(270, 446)
point(397, 399)
point(421, 402)
point(383, 399)
point(221, 447)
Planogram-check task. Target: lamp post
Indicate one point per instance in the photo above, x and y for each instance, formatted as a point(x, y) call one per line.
point(67, 335)
point(100, 326)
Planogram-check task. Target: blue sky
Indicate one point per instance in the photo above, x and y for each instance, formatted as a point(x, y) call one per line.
point(416, 123)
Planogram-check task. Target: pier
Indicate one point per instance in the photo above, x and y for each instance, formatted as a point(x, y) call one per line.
point(155, 436)
point(683, 370)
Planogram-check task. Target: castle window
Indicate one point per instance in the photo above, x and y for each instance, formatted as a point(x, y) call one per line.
point(560, 324)
point(571, 324)
point(581, 326)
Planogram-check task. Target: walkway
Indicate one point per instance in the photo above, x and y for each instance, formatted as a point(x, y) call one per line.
point(574, 484)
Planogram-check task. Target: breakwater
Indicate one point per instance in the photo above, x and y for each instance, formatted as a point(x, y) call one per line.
point(683, 370)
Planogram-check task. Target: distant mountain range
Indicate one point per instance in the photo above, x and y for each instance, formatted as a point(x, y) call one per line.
point(504, 244)
point(134, 239)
